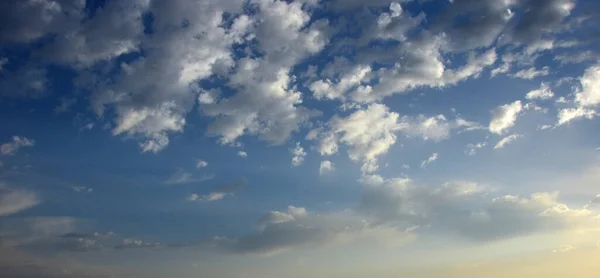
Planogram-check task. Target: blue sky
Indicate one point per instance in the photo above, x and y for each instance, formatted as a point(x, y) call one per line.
point(271, 138)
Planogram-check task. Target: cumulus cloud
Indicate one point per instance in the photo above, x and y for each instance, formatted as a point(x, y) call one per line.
point(504, 117)
point(507, 140)
point(14, 201)
point(218, 192)
point(298, 154)
point(468, 209)
point(543, 93)
point(242, 154)
point(326, 166)
point(429, 160)
point(17, 143)
point(589, 94)
point(569, 114)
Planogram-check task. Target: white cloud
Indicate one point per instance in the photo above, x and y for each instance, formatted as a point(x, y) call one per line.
point(569, 114)
point(589, 95)
point(266, 103)
point(325, 167)
point(543, 93)
point(429, 160)
point(326, 89)
point(14, 201)
point(472, 148)
point(531, 73)
point(219, 192)
point(201, 164)
point(504, 117)
point(242, 154)
point(298, 155)
point(368, 133)
point(507, 140)
point(17, 143)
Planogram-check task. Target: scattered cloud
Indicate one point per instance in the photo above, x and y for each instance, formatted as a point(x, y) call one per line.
point(472, 148)
point(326, 166)
point(504, 117)
point(531, 73)
point(543, 93)
point(219, 192)
point(430, 160)
point(589, 95)
point(298, 155)
point(507, 140)
point(569, 114)
point(242, 154)
point(17, 143)
point(201, 164)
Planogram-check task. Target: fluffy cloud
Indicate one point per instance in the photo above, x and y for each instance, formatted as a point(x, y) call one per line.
point(589, 95)
point(17, 143)
point(298, 155)
point(569, 114)
point(325, 167)
point(504, 117)
point(507, 140)
point(543, 93)
point(13, 201)
point(218, 192)
point(370, 132)
point(242, 154)
point(468, 209)
point(265, 103)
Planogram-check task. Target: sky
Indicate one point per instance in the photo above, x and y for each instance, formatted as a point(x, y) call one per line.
point(309, 138)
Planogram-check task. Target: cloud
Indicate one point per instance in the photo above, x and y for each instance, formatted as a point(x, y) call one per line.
point(569, 114)
point(531, 73)
point(589, 95)
point(17, 143)
point(504, 117)
point(472, 148)
point(242, 154)
point(14, 201)
point(468, 209)
point(543, 93)
point(218, 192)
point(279, 231)
point(298, 155)
point(507, 140)
point(82, 189)
point(136, 244)
point(564, 249)
point(201, 164)
point(65, 104)
point(430, 160)
point(182, 177)
point(326, 166)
